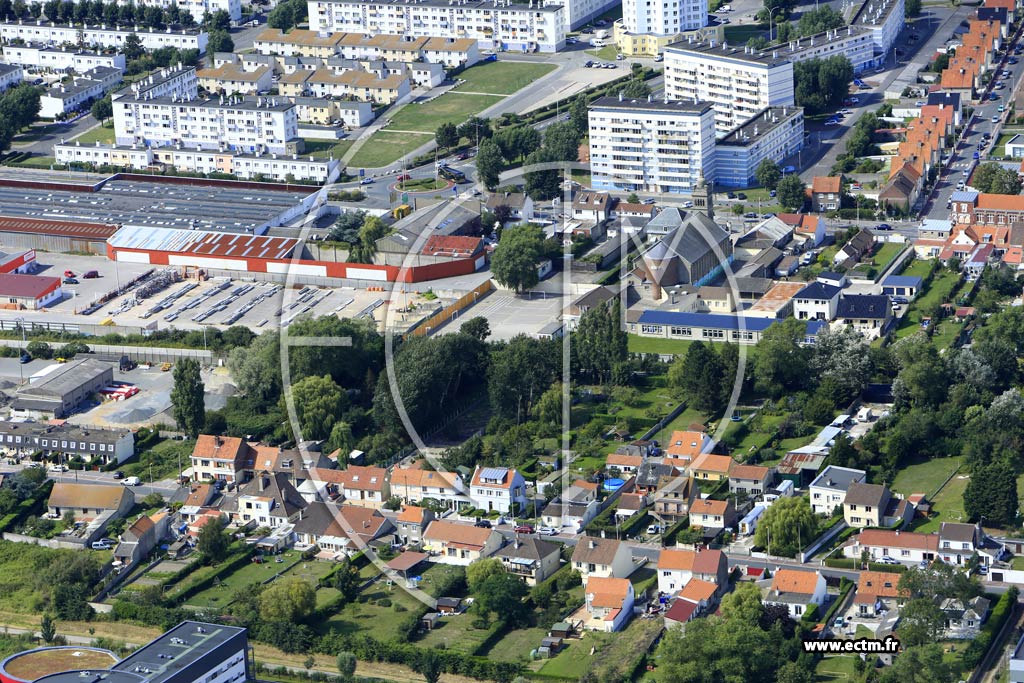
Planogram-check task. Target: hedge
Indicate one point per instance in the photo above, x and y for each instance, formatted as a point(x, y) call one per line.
point(241, 558)
point(31, 505)
point(977, 648)
point(849, 563)
point(845, 586)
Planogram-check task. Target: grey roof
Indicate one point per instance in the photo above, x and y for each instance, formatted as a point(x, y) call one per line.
point(67, 378)
point(90, 79)
point(953, 531)
point(158, 78)
point(867, 306)
point(35, 430)
point(903, 281)
point(838, 478)
point(528, 549)
point(860, 493)
point(254, 103)
point(667, 219)
point(947, 98)
point(513, 200)
point(8, 68)
point(818, 291)
point(649, 473)
point(277, 487)
point(758, 126)
point(229, 57)
point(756, 285)
point(690, 241)
point(651, 104)
point(729, 52)
point(172, 655)
point(964, 196)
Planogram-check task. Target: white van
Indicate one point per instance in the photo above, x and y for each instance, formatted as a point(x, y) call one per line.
point(131, 481)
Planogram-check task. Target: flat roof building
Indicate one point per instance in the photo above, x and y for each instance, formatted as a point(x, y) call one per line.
point(61, 388)
point(100, 35)
point(775, 133)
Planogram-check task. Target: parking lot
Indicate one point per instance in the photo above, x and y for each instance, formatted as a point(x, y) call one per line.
point(510, 315)
point(154, 204)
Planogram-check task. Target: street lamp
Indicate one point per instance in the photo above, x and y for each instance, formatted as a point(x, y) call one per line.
point(771, 15)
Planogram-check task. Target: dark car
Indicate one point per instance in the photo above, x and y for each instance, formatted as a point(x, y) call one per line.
point(25, 358)
point(750, 214)
point(462, 156)
point(483, 523)
point(70, 281)
point(883, 226)
point(119, 475)
point(740, 195)
point(730, 195)
point(220, 484)
point(404, 176)
point(91, 275)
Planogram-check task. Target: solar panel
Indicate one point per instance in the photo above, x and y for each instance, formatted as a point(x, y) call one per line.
point(495, 473)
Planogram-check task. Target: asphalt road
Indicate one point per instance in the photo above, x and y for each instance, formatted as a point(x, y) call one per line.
point(45, 135)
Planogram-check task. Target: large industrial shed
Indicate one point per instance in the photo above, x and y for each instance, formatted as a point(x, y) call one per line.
point(60, 388)
point(235, 252)
point(57, 236)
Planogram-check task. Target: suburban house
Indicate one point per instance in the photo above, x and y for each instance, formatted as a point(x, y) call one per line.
point(817, 301)
point(520, 206)
point(826, 193)
point(677, 567)
point(532, 559)
point(828, 490)
point(625, 464)
point(89, 501)
point(630, 504)
point(673, 500)
point(856, 248)
point(958, 543)
point(198, 498)
point(592, 206)
point(340, 530)
point(905, 286)
point(875, 505)
point(268, 500)
point(609, 603)
point(701, 594)
point(796, 590)
point(877, 592)
point(653, 475)
point(750, 480)
point(138, 540)
point(574, 515)
point(460, 544)
point(684, 447)
point(807, 228)
point(411, 522)
point(413, 484)
point(869, 314)
point(712, 514)
point(964, 619)
point(365, 486)
point(220, 458)
point(603, 558)
point(497, 488)
point(906, 547)
point(711, 467)
point(680, 613)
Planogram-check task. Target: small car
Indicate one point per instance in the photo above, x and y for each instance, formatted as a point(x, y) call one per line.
point(730, 195)
point(883, 226)
point(741, 195)
point(70, 281)
point(483, 523)
point(547, 531)
point(91, 275)
point(750, 214)
point(588, 63)
point(462, 156)
point(404, 176)
point(69, 273)
point(366, 181)
point(885, 559)
point(57, 467)
point(831, 122)
point(101, 545)
point(25, 358)
point(119, 475)
point(523, 529)
point(654, 529)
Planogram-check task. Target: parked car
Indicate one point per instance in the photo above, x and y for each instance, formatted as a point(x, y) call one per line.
point(132, 481)
point(462, 156)
point(57, 467)
point(883, 226)
point(404, 176)
point(69, 273)
point(741, 195)
point(101, 545)
point(483, 523)
point(547, 531)
point(654, 529)
point(885, 559)
point(660, 58)
point(750, 214)
point(687, 204)
point(730, 195)
point(119, 475)
point(995, 118)
point(91, 275)
point(831, 122)
point(70, 281)
point(366, 181)
point(588, 63)
point(25, 358)
point(524, 529)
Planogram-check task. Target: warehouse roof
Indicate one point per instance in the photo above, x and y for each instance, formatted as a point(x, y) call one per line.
point(202, 243)
point(66, 378)
point(97, 231)
point(26, 286)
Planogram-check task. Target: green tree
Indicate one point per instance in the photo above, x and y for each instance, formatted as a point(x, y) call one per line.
point(102, 109)
point(341, 438)
point(517, 141)
point(346, 665)
point(791, 192)
point(476, 129)
point(281, 17)
point(992, 178)
point(291, 600)
point(992, 494)
point(768, 174)
point(187, 404)
point(520, 371)
point(346, 580)
point(365, 248)
point(599, 344)
point(132, 48)
point(39, 349)
point(501, 593)
point(562, 141)
point(213, 541)
point(429, 665)
point(319, 403)
point(220, 41)
point(815, 21)
point(635, 89)
point(781, 361)
point(841, 361)
point(821, 84)
point(489, 163)
point(924, 664)
point(481, 570)
point(921, 622)
point(47, 629)
point(256, 369)
point(515, 259)
point(446, 135)
point(911, 8)
point(579, 115)
point(699, 375)
point(786, 529)
point(542, 184)
point(477, 327)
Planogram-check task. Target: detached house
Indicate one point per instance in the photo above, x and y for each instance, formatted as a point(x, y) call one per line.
point(220, 458)
point(532, 559)
point(673, 500)
point(460, 544)
point(602, 557)
point(609, 604)
point(750, 480)
point(625, 464)
point(869, 314)
point(498, 488)
point(712, 514)
point(412, 521)
point(817, 301)
point(797, 590)
point(711, 467)
point(413, 484)
point(907, 547)
point(365, 486)
point(684, 447)
point(139, 539)
point(877, 592)
point(89, 501)
point(959, 542)
point(874, 505)
point(677, 567)
point(964, 619)
point(826, 193)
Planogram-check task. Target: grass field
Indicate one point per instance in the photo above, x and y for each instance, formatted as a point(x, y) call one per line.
point(638, 344)
point(836, 668)
point(948, 506)
point(516, 645)
point(884, 256)
point(502, 78)
point(939, 291)
point(423, 185)
point(452, 107)
point(161, 461)
point(924, 477)
point(607, 53)
point(103, 134)
point(917, 267)
point(321, 149)
point(386, 147)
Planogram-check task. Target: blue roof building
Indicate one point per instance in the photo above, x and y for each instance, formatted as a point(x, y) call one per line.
point(738, 329)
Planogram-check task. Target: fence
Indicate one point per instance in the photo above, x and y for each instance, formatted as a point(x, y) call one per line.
point(663, 421)
point(45, 542)
point(141, 354)
point(451, 311)
point(837, 528)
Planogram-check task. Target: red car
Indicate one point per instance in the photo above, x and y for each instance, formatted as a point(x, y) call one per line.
point(524, 529)
point(69, 273)
point(404, 176)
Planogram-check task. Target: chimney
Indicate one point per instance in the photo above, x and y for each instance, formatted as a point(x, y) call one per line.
point(263, 483)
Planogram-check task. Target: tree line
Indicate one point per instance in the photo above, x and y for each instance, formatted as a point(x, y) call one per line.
point(111, 13)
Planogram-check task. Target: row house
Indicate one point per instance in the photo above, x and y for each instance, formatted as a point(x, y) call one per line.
point(460, 544)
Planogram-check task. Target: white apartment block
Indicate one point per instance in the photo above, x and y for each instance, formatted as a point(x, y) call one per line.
point(101, 35)
point(65, 98)
point(244, 166)
point(247, 125)
point(856, 43)
point(498, 25)
point(43, 58)
point(174, 80)
point(651, 146)
point(739, 83)
point(579, 12)
point(10, 76)
point(885, 20)
point(664, 17)
point(775, 133)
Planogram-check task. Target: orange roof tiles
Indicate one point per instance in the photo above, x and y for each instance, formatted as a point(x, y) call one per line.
point(899, 539)
point(671, 558)
point(607, 592)
point(831, 184)
point(709, 462)
point(696, 590)
point(795, 581)
point(709, 507)
point(877, 584)
point(754, 472)
point(685, 445)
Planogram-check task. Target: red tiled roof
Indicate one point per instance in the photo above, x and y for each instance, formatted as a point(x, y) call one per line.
point(96, 231)
point(451, 245)
point(830, 184)
point(899, 539)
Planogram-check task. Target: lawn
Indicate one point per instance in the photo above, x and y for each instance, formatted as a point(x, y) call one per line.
point(681, 423)
point(615, 653)
point(939, 291)
point(608, 53)
point(452, 107)
point(638, 344)
point(1004, 137)
point(103, 134)
point(24, 569)
point(321, 149)
point(918, 267)
point(502, 78)
point(834, 668)
point(423, 185)
point(161, 461)
point(737, 34)
point(948, 506)
point(884, 256)
point(516, 645)
point(924, 477)
point(385, 147)
point(574, 659)
point(457, 633)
